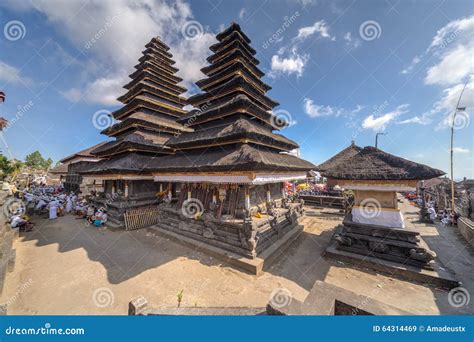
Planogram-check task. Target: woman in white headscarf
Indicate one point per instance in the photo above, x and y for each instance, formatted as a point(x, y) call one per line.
point(68, 204)
point(53, 209)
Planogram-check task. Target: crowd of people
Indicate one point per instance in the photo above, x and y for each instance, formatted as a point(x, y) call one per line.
point(446, 217)
point(53, 202)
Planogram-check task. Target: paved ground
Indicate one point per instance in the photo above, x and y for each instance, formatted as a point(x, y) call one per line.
point(64, 267)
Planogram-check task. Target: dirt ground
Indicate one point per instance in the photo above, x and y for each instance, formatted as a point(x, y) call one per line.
point(65, 267)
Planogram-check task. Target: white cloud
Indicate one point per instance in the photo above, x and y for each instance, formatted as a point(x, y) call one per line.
point(446, 35)
point(12, 75)
point(293, 64)
point(351, 42)
point(414, 62)
point(319, 27)
point(421, 120)
point(453, 67)
point(460, 150)
point(379, 123)
point(242, 13)
point(121, 29)
point(453, 45)
point(448, 101)
point(452, 50)
point(314, 110)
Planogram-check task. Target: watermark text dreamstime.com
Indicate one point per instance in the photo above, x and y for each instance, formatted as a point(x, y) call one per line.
point(44, 330)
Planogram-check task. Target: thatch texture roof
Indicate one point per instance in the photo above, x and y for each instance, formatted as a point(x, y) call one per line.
point(142, 102)
point(225, 74)
point(86, 153)
point(230, 106)
point(223, 158)
point(233, 27)
point(232, 41)
point(140, 119)
point(340, 158)
point(239, 129)
point(373, 164)
point(245, 158)
point(137, 140)
point(152, 77)
point(60, 169)
point(146, 87)
point(235, 86)
point(233, 56)
point(230, 48)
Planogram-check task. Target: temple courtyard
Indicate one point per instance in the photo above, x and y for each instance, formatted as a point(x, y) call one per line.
point(65, 267)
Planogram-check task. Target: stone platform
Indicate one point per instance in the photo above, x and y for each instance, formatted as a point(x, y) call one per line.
point(327, 299)
point(437, 277)
point(396, 252)
point(250, 265)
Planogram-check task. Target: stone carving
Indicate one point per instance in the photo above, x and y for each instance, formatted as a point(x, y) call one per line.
point(207, 232)
point(422, 254)
point(248, 238)
point(378, 247)
point(343, 240)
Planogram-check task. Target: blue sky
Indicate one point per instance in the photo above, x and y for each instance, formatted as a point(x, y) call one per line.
point(341, 70)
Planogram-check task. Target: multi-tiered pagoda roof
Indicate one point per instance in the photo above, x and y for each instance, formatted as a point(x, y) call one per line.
point(233, 123)
point(152, 104)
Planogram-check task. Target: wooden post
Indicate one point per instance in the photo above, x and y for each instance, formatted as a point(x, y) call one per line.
point(247, 197)
point(113, 188)
point(126, 189)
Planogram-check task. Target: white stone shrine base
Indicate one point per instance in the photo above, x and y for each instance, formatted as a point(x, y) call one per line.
point(378, 216)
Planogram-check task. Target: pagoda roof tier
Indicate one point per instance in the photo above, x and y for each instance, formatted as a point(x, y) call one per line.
point(239, 104)
point(235, 45)
point(136, 141)
point(232, 40)
point(235, 69)
point(237, 85)
point(143, 87)
point(156, 69)
point(158, 60)
point(159, 53)
point(373, 164)
point(237, 131)
point(233, 27)
point(131, 162)
point(243, 157)
point(158, 66)
point(231, 58)
point(140, 103)
point(156, 41)
point(147, 121)
point(147, 75)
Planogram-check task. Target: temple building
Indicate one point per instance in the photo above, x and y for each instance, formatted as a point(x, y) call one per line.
point(229, 173)
point(375, 226)
point(339, 158)
point(152, 104)
point(70, 165)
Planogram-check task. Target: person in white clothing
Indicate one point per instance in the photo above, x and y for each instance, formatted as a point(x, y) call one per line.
point(53, 209)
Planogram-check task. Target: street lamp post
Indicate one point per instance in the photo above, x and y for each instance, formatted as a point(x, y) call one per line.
point(377, 138)
point(452, 144)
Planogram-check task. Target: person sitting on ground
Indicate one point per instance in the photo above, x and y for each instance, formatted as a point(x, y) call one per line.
point(90, 213)
point(24, 225)
point(100, 218)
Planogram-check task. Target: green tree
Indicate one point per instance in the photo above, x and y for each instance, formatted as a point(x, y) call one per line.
point(5, 165)
point(36, 161)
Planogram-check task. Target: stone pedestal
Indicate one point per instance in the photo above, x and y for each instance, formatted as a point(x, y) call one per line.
point(392, 244)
